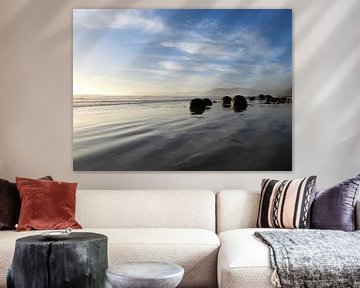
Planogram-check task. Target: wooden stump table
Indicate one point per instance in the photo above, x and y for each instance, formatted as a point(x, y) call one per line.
point(78, 261)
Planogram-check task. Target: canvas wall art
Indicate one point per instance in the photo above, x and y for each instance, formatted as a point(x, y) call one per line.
point(182, 90)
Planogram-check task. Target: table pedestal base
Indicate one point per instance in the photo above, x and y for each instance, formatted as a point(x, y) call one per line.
point(79, 261)
point(145, 275)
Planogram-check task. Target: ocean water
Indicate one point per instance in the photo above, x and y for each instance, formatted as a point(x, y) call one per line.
point(158, 133)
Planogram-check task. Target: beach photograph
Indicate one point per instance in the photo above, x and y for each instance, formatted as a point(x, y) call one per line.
point(182, 90)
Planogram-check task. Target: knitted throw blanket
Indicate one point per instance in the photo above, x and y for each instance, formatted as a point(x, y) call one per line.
point(313, 258)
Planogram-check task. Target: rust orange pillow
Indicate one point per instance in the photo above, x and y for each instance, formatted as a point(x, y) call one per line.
point(10, 204)
point(46, 204)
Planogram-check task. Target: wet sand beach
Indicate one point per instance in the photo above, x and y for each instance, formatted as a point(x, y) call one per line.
point(160, 134)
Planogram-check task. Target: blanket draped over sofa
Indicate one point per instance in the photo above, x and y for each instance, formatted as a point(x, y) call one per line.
point(314, 258)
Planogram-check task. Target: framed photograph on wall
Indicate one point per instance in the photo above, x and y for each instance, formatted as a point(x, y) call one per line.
point(182, 89)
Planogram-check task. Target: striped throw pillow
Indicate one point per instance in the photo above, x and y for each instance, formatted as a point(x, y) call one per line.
point(286, 204)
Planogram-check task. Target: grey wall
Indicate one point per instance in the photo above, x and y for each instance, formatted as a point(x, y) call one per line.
point(36, 94)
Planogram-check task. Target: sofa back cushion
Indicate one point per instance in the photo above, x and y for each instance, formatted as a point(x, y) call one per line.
point(146, 209)
point(236, 209)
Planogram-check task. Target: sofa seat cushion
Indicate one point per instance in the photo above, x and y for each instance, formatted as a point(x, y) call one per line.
point(244, 261)
point(194, 249)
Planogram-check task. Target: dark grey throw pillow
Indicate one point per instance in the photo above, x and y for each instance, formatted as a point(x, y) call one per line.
point(10, 204)
point(334, 208)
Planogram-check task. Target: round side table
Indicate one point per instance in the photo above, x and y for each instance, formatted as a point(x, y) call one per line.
point(145, 275)
point(78, 261)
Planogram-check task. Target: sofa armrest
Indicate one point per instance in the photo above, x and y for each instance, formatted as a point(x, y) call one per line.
point(357, 215)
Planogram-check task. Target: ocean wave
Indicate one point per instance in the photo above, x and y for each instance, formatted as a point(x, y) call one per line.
point(88, 101)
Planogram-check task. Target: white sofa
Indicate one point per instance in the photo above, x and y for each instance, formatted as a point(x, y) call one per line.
point(175, 226)
point(243, 261)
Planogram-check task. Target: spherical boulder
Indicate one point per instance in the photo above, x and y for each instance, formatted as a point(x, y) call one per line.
point(269, 98)
point(239, 103)
point(207, 102)
point(282, 99)
point(261, 97)
point(226, 101)
point(275, 100)
point(197, 106)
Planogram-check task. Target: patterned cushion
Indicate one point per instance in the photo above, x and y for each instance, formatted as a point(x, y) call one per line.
point(286, 204)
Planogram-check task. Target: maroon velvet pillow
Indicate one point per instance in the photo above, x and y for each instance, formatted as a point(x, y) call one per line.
point(46, 204)
point(10, 204)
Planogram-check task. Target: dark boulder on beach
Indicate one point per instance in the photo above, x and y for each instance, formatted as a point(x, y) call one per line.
point(197, 106)
point(261, 97)
point(239, 103)
point(282, 100)
point(208, 102)
point(226, 101)
point(269, 98)
point(252, 98)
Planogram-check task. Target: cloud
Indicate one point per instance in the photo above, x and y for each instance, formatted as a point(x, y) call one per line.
point(196, 67)
point(118, 19)
point(254, 44)
point(225, 69)
point(170, 65)
point(205, 26)
point(197, 48)
point(242, 45)
point(239, 58)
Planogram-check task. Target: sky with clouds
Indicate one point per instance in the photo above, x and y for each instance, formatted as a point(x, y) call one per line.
point(164, 52)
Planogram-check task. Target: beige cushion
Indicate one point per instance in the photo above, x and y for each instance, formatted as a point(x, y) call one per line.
point(146, 209)
point(194, 249)
point(236, 209)
point(239, 209)
point(244, 261)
